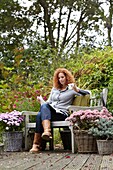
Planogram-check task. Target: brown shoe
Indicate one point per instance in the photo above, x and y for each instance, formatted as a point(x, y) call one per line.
point(47, 130)
point(46, 136)
point(35, 148)
point(36, 143)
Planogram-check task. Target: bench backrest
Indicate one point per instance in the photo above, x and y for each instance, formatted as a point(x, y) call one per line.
point(92, 100)
point(99, 100)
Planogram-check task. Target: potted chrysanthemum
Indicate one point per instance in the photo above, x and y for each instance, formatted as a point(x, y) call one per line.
point(82, 121)
point(11, 124)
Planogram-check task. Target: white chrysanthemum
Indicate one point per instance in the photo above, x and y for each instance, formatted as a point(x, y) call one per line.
point(7, 128)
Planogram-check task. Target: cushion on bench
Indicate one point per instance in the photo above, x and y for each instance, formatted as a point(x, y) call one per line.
point(81, 100)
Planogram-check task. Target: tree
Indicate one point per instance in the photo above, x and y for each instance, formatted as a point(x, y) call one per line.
point(65, 24)
point(109, 21)
point(69, 24)
point(14, 25)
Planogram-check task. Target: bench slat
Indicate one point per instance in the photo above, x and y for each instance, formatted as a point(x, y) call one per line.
point(53, 124)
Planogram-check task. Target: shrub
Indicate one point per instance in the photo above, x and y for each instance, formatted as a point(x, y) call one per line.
point(103, 129)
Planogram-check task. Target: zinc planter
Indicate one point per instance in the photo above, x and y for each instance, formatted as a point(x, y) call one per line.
point(12, 141)
point(105, 147)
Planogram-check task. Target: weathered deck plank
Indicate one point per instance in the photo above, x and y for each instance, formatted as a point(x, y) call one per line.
point(14, 159)
point(44, 160)
point(27, 160)
point(107, 163)
point(93, 163)
point(56, 160)
point(78, 161)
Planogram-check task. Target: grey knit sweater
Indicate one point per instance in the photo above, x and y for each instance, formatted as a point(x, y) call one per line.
point(61, 99)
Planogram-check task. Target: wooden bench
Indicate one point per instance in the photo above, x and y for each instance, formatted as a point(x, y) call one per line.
point(100, 102)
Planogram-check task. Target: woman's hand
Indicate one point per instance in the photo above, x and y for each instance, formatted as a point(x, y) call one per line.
point(75, 88)
point(38, 98)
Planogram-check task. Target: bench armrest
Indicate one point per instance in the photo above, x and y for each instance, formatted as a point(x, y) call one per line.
point(28, 113)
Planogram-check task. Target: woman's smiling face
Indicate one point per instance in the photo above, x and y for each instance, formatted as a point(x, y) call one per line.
point(62, 79)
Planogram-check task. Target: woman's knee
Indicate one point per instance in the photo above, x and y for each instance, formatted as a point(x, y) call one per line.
point(44, 106)
point(45, 112)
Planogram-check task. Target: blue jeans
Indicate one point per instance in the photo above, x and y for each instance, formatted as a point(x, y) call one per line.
point(47, 113)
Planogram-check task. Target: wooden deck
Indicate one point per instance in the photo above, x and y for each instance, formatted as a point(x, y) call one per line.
point(55, 160)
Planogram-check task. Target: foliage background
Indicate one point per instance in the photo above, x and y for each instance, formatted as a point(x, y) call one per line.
point(29, 77)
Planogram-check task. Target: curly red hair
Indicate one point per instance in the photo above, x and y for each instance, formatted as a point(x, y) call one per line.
point(68, 74)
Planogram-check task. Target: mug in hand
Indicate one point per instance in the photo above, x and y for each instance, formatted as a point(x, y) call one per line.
point(71, 85)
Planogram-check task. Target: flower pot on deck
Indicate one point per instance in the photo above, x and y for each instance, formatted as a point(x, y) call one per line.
point(105, 147)
point(12, 141)
point(85, 142)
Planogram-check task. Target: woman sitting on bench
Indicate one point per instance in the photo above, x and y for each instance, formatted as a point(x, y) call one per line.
point(55, 108)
